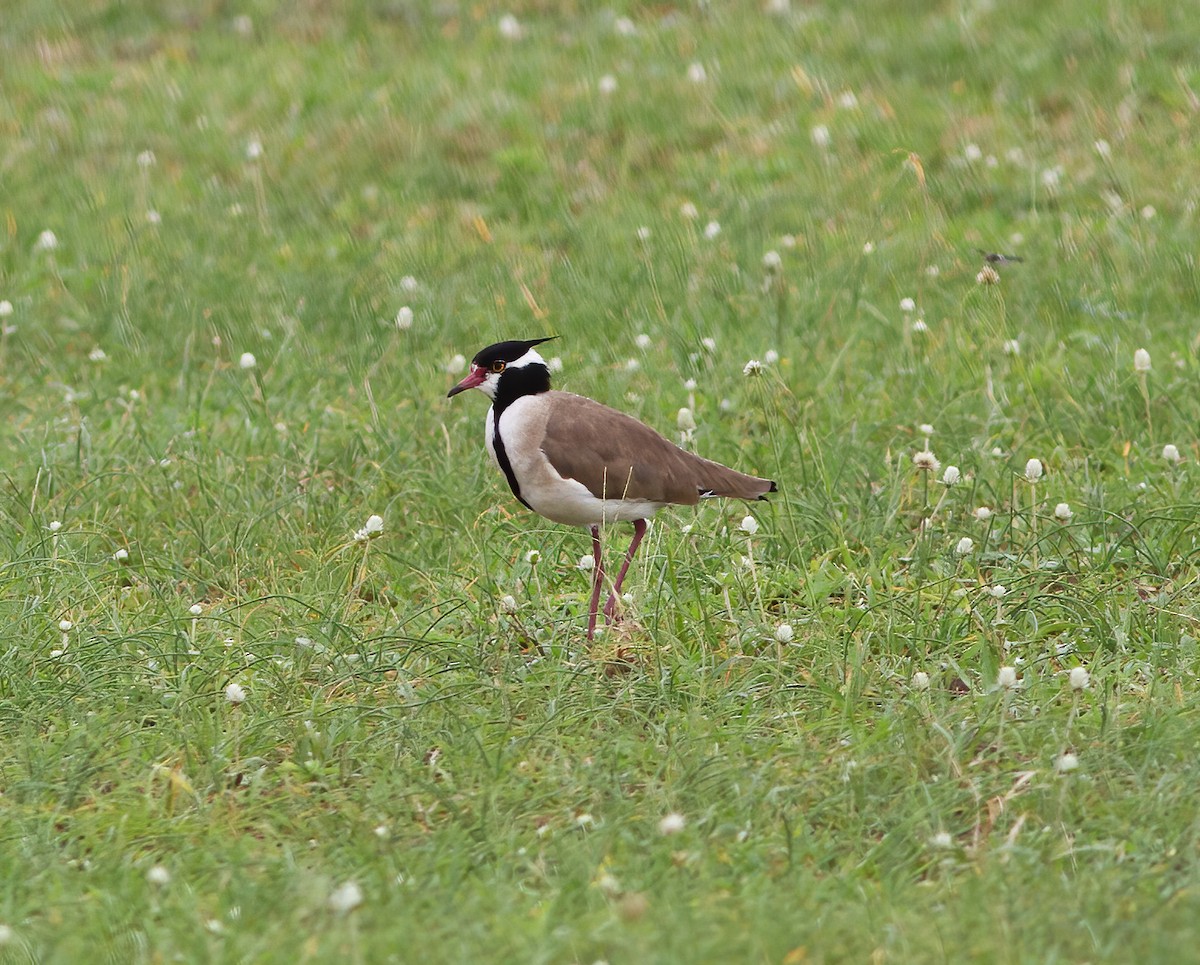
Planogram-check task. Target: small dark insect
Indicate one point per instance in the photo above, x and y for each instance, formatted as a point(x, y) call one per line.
point(996, 258)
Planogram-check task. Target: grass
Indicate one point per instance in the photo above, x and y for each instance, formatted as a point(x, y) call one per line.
point(494, 788)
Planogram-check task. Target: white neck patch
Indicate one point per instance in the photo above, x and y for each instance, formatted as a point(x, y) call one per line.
point(529, 358)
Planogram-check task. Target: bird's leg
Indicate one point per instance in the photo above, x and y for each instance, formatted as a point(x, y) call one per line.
point(639, 530)
point(597, 581)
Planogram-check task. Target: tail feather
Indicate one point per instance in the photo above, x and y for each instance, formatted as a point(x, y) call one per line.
point(718, 480)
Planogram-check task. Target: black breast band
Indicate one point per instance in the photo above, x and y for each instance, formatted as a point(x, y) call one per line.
point(502, 458)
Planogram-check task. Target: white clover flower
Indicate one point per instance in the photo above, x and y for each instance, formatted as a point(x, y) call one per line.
point(1033, 470)
point(712, 229)
point(373, 529)
point(788, 241)
point(554, 365)
point(907, 305)
point(696, 73)
point(920, 680)
point(508, 603)
point(404, 318)
point(671, 823)
point(509, 27)
point(632, 365)
point(997, 590)
point(951, 476)
point(988, 276)
point(965, 546)
point(456, 364)
point(942, 841)
point(121, 555)
point(932, 271)
point(772, 261)
point(709, 344)
point(926, 461)
point(868, 247)
point(624, 26)
point(195, 609)
point(690, 385)
point(254, 150)
point(925, 429)
point(7, 934)
point(1066, 763)
point(1063, 512)
point(642, 341)
point(609, 884)
point(1006, 677)
point(1103, 148)
point(98, 355)
point(1012, 347)
point(607, 84)
point(847, 100)
point(820, 136)
point(55, 525)
point(409, 284)
point(919, 326)
point(1051, 177)
point(145, 159)
point(784, 633)
point(65, 625)
point(1141, 360)
point(643, 233)
point(748, 525)
point(753, 367)
point(158, 876)
point(1170, 453)
point(153, 217)
point(771, 356)
point(533, 557)
point(346, 897)
point(1079, 678)
point(689, 211)
point(685, 421)
point(235, 693)
point(973, 152)
point(46, 241)
point(247, 361)
point(586, 563)
point(1148, 212)
point(6, 308)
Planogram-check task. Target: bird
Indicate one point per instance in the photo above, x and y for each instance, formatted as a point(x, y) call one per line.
point(578, 462)
point(998, 258)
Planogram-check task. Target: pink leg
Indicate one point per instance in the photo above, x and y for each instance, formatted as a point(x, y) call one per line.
point(639, 530)
point(597, 582)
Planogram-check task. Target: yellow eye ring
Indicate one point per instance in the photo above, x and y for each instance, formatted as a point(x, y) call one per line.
point(498, 366)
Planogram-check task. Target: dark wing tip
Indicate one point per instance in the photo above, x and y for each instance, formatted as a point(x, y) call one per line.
point(773, 489)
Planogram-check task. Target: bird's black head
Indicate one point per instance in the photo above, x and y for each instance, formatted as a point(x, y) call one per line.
point(506, 371)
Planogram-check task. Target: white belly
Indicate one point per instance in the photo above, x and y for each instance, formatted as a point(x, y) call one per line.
point(522, 427)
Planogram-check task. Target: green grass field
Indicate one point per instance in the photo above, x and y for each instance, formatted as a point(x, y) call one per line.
point(230, 732)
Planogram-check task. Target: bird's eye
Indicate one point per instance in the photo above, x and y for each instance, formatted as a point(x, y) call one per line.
point(498, 366)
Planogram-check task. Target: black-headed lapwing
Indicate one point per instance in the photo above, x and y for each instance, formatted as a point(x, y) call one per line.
point(578, 462)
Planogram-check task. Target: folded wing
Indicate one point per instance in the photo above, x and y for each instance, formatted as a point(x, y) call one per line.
point(617, 457)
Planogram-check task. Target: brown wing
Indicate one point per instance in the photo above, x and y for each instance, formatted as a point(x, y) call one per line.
point(616, 457)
